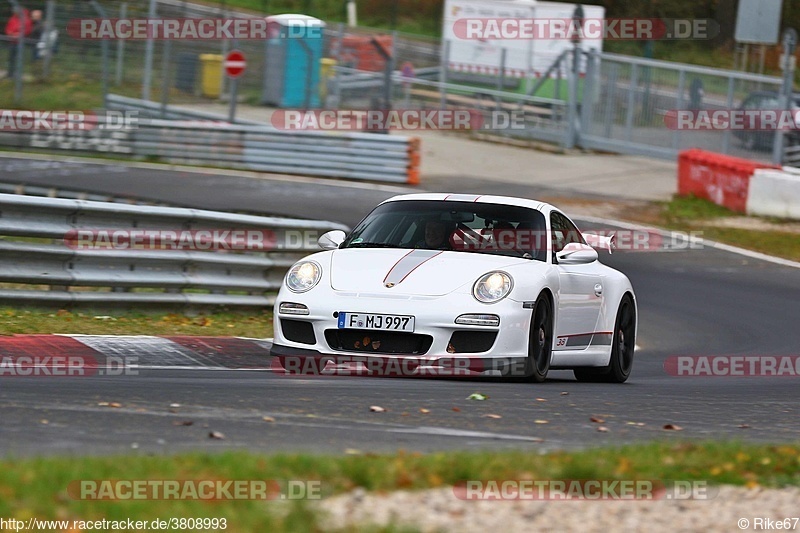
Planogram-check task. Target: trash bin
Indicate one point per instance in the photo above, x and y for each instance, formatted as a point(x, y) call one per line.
point(211, 75)
point(326, 73)
point(186, 78)
point(293, 54)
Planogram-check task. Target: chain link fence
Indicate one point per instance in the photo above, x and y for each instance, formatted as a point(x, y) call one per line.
point(591, 100)
point(632, 100)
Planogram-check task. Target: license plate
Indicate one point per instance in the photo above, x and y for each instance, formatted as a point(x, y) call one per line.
point(380, 322)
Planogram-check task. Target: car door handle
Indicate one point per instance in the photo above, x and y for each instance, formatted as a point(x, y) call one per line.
point(598, 290)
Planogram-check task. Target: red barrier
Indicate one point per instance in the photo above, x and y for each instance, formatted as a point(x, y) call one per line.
point(359, 52)
point(722, 179)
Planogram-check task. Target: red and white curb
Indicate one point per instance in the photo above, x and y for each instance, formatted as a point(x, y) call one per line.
point(141, 351)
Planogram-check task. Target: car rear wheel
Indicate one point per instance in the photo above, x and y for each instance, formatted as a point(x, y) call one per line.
point(622, 349)
point(540, 341)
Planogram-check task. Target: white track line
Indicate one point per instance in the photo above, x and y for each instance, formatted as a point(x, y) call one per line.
point(718, 245)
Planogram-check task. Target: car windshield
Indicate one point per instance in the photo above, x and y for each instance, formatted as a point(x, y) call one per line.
point(454, 226)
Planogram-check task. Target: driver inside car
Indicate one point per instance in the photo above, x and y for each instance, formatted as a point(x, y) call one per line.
point(436, 236)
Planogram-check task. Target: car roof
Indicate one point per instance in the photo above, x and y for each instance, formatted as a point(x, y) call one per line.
point(477, 198)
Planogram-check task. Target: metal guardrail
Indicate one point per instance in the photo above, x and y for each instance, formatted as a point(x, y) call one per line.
point(360, 156)
point(153, 110)
point(37, 266)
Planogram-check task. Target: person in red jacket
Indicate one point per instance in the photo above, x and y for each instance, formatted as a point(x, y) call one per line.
point(14, 27)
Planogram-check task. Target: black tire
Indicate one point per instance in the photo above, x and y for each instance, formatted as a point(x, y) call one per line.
point(540, 341)
point(623, 347)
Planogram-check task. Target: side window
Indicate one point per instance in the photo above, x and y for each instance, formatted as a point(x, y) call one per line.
point(564, 232)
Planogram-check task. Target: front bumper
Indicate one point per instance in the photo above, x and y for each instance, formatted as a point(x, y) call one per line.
point(434, 320)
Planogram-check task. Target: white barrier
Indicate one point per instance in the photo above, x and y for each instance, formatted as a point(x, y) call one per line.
point(775, 193)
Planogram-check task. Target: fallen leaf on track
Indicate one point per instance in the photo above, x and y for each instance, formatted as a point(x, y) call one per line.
point(183, 423)
point(602, 429)
point(216, 435)
point(672, 427)
point(597, 420)
point(541, 421)
point(268, 419)
point(377, 409)
point(492, 416)
point(477, 396)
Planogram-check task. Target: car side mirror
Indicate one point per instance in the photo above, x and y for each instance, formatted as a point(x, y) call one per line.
point(577, 254)
point(332, 240)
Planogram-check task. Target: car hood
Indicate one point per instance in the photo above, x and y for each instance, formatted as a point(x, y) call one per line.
point(413, 272)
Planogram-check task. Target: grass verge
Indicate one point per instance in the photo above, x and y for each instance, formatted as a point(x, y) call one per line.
point(256, 324)
point(694, 214)
point(38, 487)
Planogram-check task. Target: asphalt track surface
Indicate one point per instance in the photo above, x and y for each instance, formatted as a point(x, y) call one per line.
point(696, 302)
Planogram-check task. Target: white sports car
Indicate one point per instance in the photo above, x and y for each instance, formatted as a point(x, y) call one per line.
point(455, 284)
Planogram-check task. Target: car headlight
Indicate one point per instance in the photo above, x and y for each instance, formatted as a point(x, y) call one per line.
point(492, 287)
point(304, 276)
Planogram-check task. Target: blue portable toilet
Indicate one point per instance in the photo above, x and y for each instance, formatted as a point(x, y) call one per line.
point(293, 57)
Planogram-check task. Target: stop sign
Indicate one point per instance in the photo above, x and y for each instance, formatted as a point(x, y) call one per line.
point(234, 64)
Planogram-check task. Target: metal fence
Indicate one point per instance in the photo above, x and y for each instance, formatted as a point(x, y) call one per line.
point(37, 266)
point(627, 100)
point(596, 101)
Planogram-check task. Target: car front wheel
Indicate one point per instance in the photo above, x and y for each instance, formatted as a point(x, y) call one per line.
point(540, 341)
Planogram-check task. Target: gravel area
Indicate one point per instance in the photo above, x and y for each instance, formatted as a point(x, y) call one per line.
point(440, 510)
